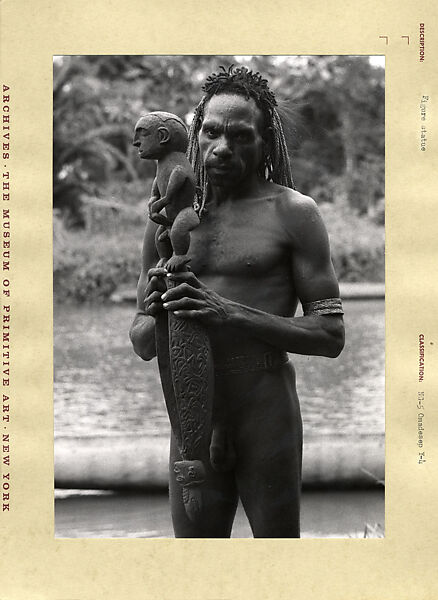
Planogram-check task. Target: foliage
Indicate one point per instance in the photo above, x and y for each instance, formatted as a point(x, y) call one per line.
point(336, 103)
point(343, 107)
point(90, 265)
point(334, 106)
point(89, 268)
point(357, 244)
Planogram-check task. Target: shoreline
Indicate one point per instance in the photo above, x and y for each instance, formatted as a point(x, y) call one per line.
point(324, 514)
point(348, 291)
point(136, 462)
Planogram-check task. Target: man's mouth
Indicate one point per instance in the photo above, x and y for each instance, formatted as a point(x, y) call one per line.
point(220, 167)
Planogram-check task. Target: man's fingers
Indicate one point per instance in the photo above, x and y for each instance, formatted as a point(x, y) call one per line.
point(182, 290)
point(156, 284)
point(157, 272)
point(153, 304)
point(185, 277)
point(151, 286)
point(184, 304)
point(153, 309)
point(153, 298)
point(155, 281)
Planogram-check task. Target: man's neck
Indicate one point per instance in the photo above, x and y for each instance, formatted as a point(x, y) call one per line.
point(248, 188)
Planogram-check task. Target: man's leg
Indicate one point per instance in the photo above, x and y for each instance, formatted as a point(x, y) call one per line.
point(268, 438)
point(219, 502)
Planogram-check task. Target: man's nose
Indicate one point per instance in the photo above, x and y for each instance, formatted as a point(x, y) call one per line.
point(222, 148)
point(136, 142)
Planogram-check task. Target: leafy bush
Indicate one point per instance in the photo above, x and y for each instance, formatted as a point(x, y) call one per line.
point(357, 244)
point(89, 268)
point(334, 127)
point(101, 186)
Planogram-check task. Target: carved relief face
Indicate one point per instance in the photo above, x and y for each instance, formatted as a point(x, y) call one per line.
point(230, 139)
point(147, 138)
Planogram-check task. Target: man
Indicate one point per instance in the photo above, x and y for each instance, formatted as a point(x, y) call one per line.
point(260, 247)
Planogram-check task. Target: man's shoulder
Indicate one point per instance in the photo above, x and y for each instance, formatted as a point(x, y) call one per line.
point(293, 200)
point(299, 217)
point(295, 208)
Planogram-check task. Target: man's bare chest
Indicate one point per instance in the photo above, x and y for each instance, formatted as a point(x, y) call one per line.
point(240, 247)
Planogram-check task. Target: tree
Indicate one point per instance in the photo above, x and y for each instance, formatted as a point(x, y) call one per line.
point(336, 103)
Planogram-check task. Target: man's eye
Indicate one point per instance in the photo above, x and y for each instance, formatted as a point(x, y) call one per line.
point(211, 133)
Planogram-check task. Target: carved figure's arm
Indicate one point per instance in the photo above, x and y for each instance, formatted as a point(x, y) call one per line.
point(155, 192)
point(313, 278)
point(175, 184)
point(156, 205)
point(176, 181)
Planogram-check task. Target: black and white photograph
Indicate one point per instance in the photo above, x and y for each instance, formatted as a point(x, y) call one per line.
point(219, 296)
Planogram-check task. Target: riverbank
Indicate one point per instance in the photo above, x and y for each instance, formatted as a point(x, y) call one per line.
point(357, 290)
point(92, 265)
point(138, 462)
point(331, 513)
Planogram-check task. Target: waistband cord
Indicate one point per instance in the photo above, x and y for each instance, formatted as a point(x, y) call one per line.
point(268, 361)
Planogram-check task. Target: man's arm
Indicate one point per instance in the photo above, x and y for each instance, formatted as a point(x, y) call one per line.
point(313, 278)
point(142, 332)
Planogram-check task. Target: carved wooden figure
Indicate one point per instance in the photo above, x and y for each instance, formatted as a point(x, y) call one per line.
point(163, 136)
point(183, 348)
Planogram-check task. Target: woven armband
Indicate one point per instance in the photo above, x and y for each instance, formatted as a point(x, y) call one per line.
point(329, 306)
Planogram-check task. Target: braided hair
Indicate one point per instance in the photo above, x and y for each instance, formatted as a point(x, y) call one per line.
point(275, 165)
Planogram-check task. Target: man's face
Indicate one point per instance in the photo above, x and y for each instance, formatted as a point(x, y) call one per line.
point(146, 138)
point(230, 139)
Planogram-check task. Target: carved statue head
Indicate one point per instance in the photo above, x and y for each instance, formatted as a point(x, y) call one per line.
point(158, 133)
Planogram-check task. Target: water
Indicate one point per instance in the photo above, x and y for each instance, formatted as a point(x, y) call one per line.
point(334, 513)
point(101, 386)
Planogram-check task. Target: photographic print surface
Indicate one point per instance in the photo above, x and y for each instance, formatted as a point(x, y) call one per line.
point(333, 115)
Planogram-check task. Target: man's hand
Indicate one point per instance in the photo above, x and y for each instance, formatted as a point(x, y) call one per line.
point(191, 299)
point(155, 288)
